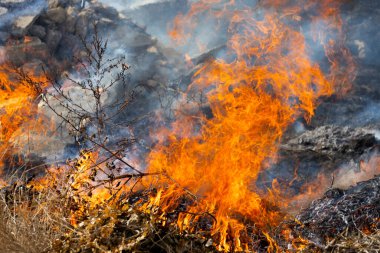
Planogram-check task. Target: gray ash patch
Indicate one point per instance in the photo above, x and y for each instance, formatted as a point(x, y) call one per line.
point(321, 150)
point(332, 141)
point(355, 208)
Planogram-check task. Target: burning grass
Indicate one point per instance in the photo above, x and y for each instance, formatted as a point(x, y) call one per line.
point(268, 80)
point(199, 191)
point(58, 218)
point(20, 93)
point(67, 211)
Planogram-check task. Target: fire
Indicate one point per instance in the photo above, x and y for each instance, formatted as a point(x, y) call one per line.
point(75, 183)
point(270, 82)
point(19, 98)
point(267, 79)
point(28, 39)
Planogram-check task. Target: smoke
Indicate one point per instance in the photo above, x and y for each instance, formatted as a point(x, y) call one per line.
point(361, 48)
point(377, 134)
point(353, 172)
point(345, 176)
point(369, 116)
point(360, 106)
point(122, 5)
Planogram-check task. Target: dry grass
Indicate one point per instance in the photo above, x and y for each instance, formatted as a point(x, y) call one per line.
point(354, 242)
point(33, 223)
point(359, 242)
point(37, 221)
point(29, 222)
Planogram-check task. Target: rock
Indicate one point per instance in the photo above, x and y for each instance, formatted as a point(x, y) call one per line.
point(53, 3)
point(57, 15)
point(38, 31)
point(37, 67)
point(324, 149)
point(45, 22)
point(22, 53)
point(332, 141)
point(71, 11)
point(17, 15)
point(72, 46)
point(21, 25)
point(210, 54)
point(53, 38)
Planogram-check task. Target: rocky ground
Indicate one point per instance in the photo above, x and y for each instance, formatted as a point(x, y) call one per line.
point(49, 35)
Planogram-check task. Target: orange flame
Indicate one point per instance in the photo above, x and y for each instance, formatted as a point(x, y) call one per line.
point(271, 82)
point(76, 183)
point(18, 109)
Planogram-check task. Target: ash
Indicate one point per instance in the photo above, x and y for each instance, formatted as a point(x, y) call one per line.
point(357, 208)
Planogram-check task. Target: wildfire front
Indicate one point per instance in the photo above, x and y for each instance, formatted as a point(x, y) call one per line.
point(189, 126)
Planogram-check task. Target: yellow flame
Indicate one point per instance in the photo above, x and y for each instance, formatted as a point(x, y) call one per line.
point(271, 82)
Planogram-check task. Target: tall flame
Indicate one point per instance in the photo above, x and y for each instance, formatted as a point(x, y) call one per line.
point(18, 109)
point(271, 81)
